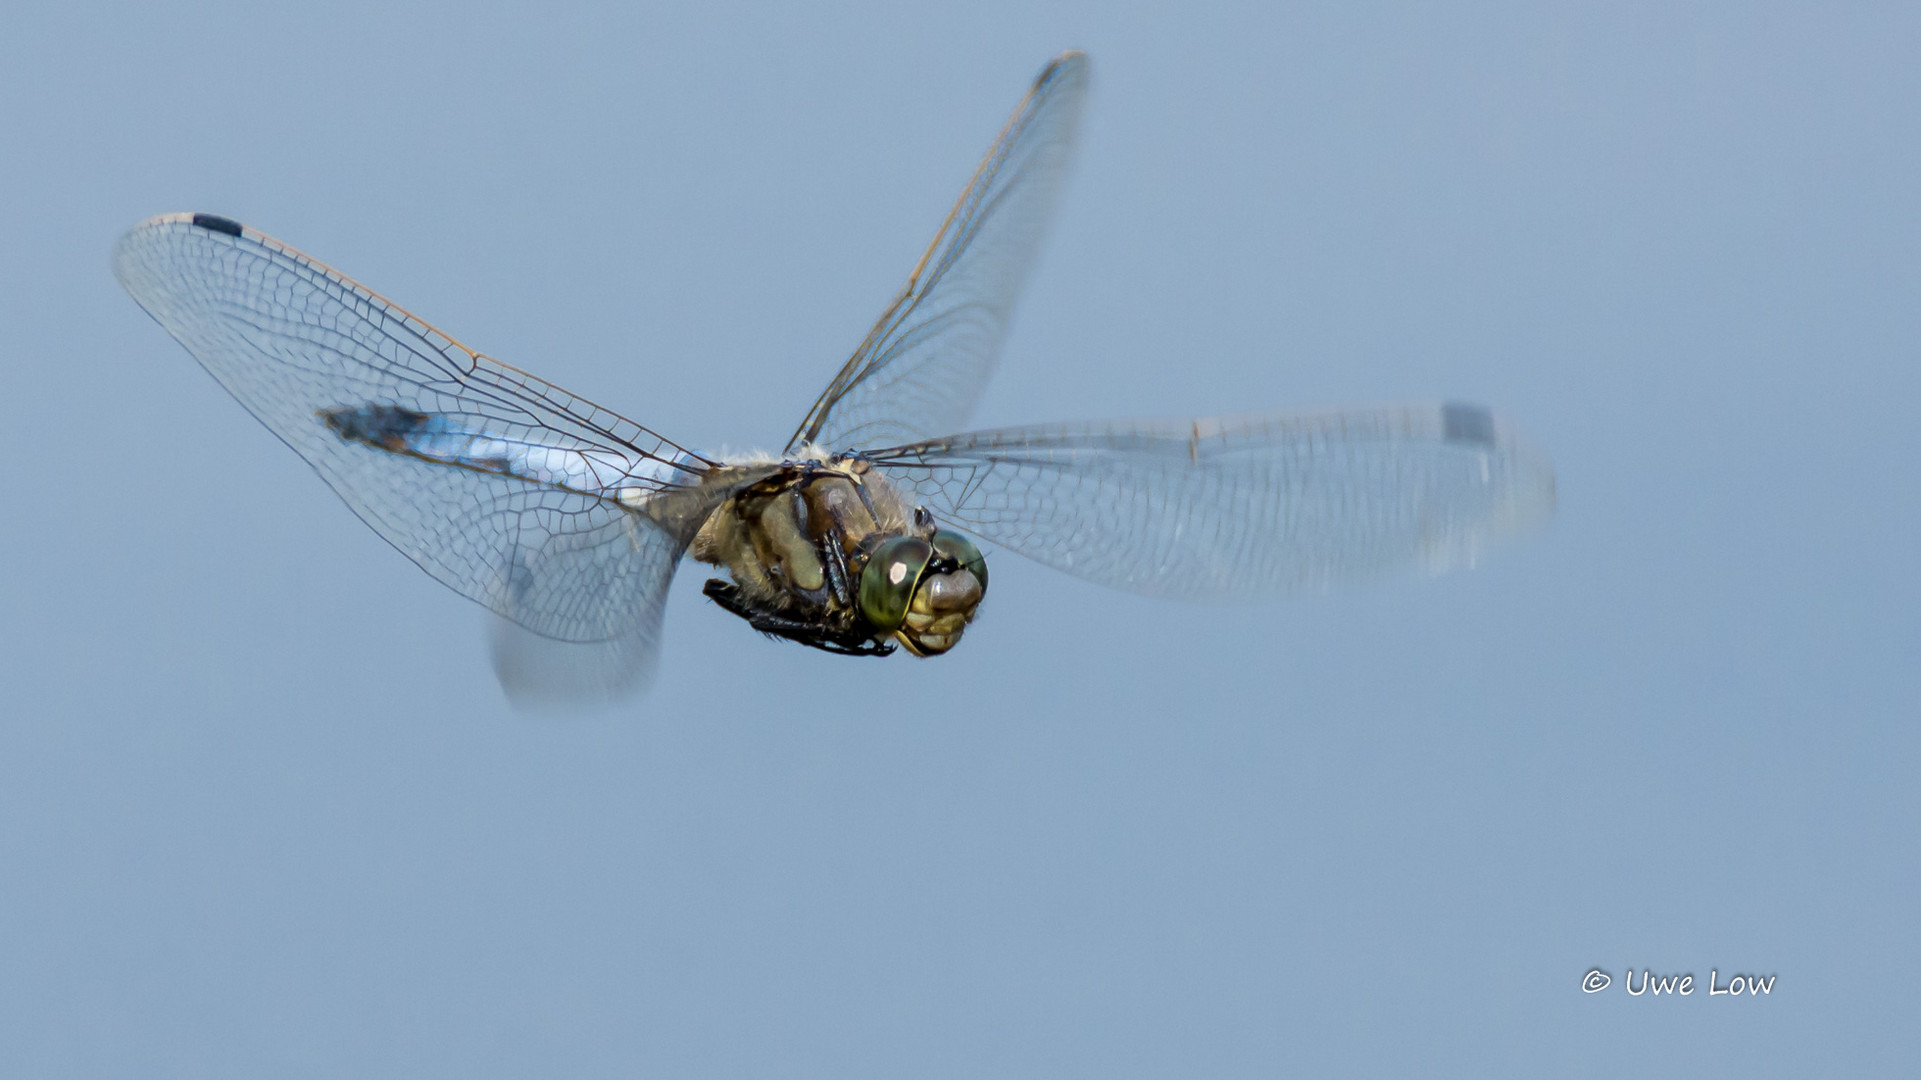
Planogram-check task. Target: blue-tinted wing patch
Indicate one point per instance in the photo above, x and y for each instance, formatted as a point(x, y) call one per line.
point(449, 440)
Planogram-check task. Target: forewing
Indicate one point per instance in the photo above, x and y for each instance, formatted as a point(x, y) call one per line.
point(923, 366)
point(507, 489)
point(1240, 508)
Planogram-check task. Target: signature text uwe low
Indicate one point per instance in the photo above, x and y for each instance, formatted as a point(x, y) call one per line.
point(1684, 984)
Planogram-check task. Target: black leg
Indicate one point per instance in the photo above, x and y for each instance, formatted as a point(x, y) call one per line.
point(727, 595)
point(838, 575)
point(864, 648)
point(844, 643)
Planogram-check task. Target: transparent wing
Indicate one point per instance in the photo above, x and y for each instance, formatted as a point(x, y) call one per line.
point(1240, 508)
point(507, 489)
point(923, 366)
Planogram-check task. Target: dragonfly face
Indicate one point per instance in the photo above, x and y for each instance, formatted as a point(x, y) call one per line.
point(926, 591)
point(567, 520)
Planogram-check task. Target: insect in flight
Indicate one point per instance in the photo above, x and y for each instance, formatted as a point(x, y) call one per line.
point(568, 520)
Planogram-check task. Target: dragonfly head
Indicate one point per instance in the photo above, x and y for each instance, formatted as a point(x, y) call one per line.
point(923, 591)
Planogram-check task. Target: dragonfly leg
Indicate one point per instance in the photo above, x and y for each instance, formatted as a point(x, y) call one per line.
point(727, 595)
point(827, 547)
point(838, 576)
point(838, 648)
point(867, 501)
point(810, 633)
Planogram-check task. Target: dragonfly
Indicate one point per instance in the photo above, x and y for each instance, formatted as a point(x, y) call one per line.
point(568, 521)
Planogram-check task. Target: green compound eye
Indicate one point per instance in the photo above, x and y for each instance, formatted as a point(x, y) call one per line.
point(887, 584)
point(962, 550)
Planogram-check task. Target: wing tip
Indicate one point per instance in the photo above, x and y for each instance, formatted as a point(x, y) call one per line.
point(1465, 422)
point(133, 247)
point(211, 222)
point(1530, 496)
point(1070, 63)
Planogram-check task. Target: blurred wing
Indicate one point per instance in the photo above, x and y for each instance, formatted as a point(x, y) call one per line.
point(1240, 508)
point(506, 488)
point(923, 366)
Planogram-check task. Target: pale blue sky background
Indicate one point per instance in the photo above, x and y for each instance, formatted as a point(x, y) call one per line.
point(263, 811)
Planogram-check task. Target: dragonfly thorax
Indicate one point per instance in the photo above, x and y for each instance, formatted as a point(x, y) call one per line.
point(831, 553)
